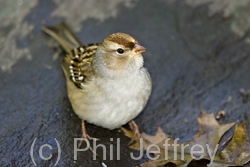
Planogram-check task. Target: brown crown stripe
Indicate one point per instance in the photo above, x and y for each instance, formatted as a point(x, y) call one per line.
point(123, 39)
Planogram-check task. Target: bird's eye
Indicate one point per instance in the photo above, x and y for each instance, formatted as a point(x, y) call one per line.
point(120, 51)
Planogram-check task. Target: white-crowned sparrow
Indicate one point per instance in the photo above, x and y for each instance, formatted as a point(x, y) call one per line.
point(107, 83)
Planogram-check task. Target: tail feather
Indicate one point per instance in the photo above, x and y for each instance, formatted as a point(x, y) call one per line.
point(64, 35)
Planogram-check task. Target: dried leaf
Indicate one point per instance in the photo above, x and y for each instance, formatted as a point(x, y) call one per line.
point(166, 150)
point(158, 138)
point(161, 161)
point(209, 134)
point(130, 134)
point(238, 150)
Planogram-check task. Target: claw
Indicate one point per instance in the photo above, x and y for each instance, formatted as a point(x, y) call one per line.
point(133, 126)
point(87, 137)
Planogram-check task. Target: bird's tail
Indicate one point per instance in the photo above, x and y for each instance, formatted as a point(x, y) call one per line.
point(64, 35)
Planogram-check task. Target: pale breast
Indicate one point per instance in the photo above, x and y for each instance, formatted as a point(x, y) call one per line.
point(112, 103)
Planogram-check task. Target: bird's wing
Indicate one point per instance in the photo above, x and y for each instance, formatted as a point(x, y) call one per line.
point(77, 64)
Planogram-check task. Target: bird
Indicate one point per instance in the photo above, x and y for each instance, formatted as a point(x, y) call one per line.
point(107, 83)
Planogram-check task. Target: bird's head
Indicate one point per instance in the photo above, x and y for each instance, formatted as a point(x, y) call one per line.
point(119, 54)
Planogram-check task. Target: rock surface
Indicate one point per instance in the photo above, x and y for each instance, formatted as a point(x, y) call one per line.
point(198, 54)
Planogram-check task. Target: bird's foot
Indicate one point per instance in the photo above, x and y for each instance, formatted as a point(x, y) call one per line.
point(134, 127)
point(86, 137)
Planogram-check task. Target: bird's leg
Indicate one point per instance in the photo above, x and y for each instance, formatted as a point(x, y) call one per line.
point(85, 136)
point(134, 127)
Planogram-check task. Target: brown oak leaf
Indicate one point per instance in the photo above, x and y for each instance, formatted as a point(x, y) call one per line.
point(168, 151)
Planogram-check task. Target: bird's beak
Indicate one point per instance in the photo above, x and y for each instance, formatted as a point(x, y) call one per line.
point(139, 49)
